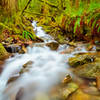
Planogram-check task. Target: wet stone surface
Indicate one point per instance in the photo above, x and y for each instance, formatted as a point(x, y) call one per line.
point(87, 65)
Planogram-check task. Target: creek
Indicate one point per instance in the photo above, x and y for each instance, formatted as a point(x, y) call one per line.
point(48, 68)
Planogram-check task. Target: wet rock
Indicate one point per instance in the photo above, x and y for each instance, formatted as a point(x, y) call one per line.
point(81, 60)
point(79, 95)
point(22, 50)
point(3, 53)
point(53, 45)
point(71, 88)
point(26, 67)
point(91, 90)
point(1, 66)
point(12, 79)
point(86, 65)
point(12, 48)
point(67, 79)
point(27, 64)
point(20, 94)
point(38, 39)
point(89, 70)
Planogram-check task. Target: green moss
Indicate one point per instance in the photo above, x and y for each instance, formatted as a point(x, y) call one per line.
point(89, 70)
point(1, 38)
point(3, 52)
point(81, 60)
point(86, 65)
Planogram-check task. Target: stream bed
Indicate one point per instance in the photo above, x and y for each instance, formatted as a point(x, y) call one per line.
point(38, 71)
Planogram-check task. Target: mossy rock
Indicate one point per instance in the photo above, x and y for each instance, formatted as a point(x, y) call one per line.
point(80, 95)
point(81, 60)
point(3, 53)
point(71, 88)
point(86, 65)
point(89, 70)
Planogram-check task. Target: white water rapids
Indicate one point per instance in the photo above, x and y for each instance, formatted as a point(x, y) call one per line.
point(48, 69)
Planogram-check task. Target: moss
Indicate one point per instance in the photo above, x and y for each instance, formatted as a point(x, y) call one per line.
point(3, 53)
point(90, 70)
point(1, 38)
point(81, 60)
point(86, 65)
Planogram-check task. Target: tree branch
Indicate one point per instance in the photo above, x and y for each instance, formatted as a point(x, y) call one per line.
point(49, 4)
point(26, 6)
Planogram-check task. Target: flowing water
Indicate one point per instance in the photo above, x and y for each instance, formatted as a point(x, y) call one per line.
point(47, 70)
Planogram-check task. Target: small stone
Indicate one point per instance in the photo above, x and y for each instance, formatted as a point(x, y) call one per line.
point(67, 79)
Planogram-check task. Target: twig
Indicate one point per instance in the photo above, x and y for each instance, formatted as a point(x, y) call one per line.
point(49, 4)
point(26, 6)
point(35, 13)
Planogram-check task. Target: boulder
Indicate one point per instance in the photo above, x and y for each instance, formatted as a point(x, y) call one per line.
point(89, 70)
point(81, 59)
point(53, 45)
point(12, 48)
point(86, 65)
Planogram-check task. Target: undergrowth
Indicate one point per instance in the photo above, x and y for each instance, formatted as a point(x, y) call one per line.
point(75, 19)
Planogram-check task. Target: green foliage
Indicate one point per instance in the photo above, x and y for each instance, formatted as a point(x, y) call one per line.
point(27, 35)
point(77, 24)
point(57, 16)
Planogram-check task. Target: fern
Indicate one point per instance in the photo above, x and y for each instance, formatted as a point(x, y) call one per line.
point(77, 24)
point(27, 35)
